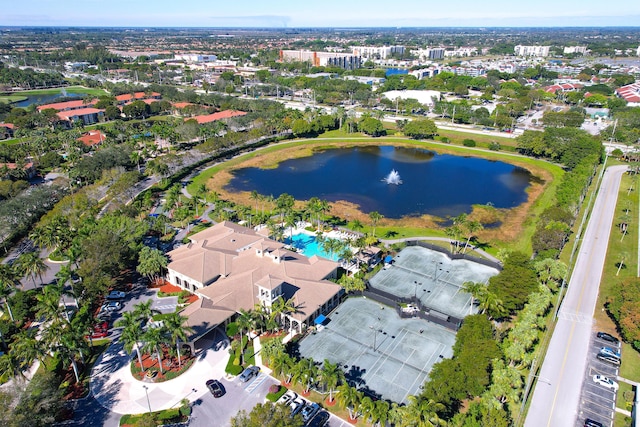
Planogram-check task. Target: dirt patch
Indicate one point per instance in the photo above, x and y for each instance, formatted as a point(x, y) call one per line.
point(511, 220)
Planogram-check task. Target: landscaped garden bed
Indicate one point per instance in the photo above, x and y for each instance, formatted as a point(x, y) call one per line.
point(170, 367)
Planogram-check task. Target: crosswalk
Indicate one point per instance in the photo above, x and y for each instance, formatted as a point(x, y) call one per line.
point(168, 307)
point(577, 318)
point(256, 383)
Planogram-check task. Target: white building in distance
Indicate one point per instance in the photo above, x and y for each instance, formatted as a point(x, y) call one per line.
point(425, 97)
point(575, 49)
point(429, 53)
point(377, 52)
point(461, 52)
point(323, 59)
point(531, 50)
point(195, 57)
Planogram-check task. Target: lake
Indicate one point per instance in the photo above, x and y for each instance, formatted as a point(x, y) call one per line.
point(436, 184)
point(45, 99)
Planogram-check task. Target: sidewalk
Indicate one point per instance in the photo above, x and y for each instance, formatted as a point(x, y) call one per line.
point(115, 388)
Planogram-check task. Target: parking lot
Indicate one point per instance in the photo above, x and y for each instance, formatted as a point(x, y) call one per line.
point(596, 401)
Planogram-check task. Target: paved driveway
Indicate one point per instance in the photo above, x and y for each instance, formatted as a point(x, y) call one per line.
point(115, 388)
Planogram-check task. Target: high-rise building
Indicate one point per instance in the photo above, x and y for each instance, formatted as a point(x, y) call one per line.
point(531, 50)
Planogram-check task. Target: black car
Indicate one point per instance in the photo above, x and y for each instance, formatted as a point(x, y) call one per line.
point(215, 387)
point(320, 420)
point(591, 423)
point(607, 337)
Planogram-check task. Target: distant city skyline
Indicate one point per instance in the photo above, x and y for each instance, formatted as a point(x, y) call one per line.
point(329, 13)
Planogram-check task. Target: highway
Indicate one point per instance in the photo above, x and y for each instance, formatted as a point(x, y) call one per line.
point(555, 400)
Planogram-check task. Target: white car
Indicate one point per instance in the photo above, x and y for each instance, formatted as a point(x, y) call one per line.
point(112, 306)
point(287, 397)
point(605, 382)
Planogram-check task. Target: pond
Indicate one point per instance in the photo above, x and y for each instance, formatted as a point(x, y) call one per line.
point(45, 99)
point(441, 185)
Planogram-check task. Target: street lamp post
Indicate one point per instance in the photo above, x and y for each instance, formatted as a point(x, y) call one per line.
point(147, 393)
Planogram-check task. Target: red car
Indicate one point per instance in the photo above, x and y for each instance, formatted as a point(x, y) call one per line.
point(100, 330)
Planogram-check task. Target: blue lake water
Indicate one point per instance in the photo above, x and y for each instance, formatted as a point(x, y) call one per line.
point(437, 184)
point(45, 99)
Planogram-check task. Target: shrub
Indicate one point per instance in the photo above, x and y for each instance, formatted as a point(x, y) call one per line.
point(273, 397)
point(169, 414)
point(495, 146)
point(445, 140)
point(274, 388)
point(469, 143)
point(232, 329)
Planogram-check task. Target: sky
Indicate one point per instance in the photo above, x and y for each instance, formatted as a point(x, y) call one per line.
point(319, 13)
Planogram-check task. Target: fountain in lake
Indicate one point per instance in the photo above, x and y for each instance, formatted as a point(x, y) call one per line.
point(393, 178)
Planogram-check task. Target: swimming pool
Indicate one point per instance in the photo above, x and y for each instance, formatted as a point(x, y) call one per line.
point(308, 245)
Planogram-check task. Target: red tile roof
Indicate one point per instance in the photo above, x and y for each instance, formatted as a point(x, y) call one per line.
point(68, 105)
point(135, 96)
point(182, 105)
point(217, 116)
point(14, 166)
point(67, 115)
point(91, 138)
point(630, 93)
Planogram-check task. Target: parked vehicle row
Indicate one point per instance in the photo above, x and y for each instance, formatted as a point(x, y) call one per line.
point(603, 369)
point(312, 414)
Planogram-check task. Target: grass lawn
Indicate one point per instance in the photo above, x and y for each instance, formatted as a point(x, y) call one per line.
point(69, 89)
point(482, 140)
point(621, 421)
point(12, 98)
point(625, 394)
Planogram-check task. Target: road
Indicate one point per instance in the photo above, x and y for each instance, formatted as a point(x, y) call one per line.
point(555, 400)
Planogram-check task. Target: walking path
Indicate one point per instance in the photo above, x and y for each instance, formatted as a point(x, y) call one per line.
point(439, 239)
point(115, 388)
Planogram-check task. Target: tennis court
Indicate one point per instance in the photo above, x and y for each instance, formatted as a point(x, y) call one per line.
point(380, 352)
point(433, 278)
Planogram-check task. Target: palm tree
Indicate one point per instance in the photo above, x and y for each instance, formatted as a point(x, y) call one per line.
point(475, 289)
point(454, 233)
point(331, 376)
point(423, 412)
point(491, 304)
point(472, 228)
point(375, 217)
point(27, 348)
point(350, 398)
point(380, 413)
point(153, 339)
point(367, 408)
point(306, 372)
point(48, 305)
point(131, 333)
point(176, 327)
point(272, 350)
point(143, 310)
point(8, 283)
point(244, 322)
point(73, 344)
point(30, 264)
point(282, 307)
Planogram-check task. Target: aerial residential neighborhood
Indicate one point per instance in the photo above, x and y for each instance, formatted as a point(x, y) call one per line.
point(319, 215)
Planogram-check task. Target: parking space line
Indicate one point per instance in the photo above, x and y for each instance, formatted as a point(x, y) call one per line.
point(598, 403)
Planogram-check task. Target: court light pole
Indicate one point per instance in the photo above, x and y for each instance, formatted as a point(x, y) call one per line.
point(146, 391)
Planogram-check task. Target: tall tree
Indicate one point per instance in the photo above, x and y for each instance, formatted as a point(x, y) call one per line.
point(176, 327)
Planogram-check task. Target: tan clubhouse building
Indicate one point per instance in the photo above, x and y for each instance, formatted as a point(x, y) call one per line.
point(232, 267)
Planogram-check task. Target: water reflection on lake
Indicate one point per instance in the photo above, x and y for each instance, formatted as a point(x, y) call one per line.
point(436, 184)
